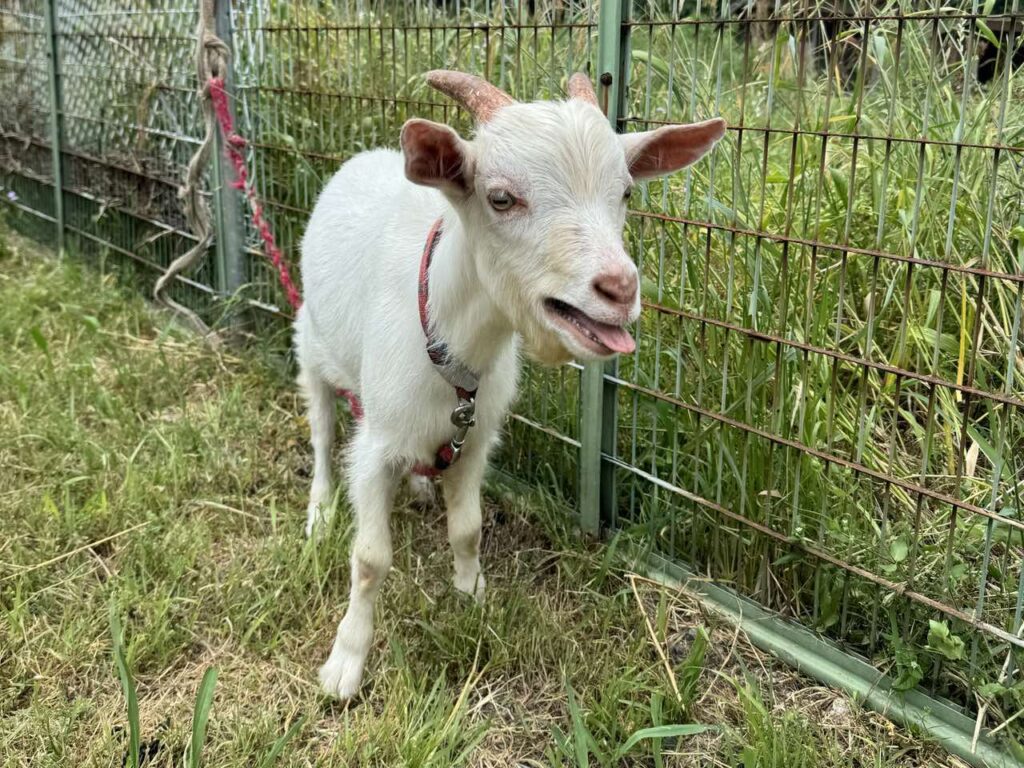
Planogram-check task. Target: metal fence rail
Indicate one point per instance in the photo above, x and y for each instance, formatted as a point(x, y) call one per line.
point(825, 410)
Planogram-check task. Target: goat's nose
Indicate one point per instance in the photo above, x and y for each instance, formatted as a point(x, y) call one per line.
point(618, 284)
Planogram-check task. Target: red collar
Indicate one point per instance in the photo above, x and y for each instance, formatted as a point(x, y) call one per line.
point(462, 379)
point(433, 238)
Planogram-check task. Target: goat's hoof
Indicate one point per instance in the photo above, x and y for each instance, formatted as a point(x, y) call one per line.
point(474, 585)
point(342, 675)
point(317, 517)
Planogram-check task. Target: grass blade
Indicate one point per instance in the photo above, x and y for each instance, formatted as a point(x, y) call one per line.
point(128, 686)
point(204, 701)
point(692, 668)
point(579, 728)
point(660, 732)
point(279, 745)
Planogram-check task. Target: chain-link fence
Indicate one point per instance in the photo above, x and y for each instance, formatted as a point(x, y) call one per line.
point(825, 411)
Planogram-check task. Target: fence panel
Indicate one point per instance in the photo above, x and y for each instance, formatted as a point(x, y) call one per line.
point(825, 406)
point(131, 122)
point(26, 118)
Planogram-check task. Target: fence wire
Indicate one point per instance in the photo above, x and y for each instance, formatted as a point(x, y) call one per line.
point(825, 405)
point(825, 409)
point(317, 83)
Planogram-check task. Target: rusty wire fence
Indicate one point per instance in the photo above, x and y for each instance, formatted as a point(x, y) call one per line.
point(825, 411)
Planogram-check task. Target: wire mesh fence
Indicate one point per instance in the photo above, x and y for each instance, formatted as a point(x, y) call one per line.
point(825, 409)
point(24, 131)
point(825, 406)
point(318, 83)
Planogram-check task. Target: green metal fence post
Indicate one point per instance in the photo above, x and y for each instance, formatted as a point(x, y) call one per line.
point(597, 395)
point(56, 119)
point(230, 236)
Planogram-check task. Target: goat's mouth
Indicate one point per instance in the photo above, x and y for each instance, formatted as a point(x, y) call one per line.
point(600, 339)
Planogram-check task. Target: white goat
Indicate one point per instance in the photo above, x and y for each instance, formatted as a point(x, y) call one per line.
point(529, 252)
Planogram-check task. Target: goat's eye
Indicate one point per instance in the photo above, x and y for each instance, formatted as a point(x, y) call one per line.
point(501, 200)
point(627, 194)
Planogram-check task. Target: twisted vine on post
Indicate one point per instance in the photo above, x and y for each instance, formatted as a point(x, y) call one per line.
point(213, 59)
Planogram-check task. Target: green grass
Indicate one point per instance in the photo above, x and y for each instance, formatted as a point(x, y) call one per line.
point(151, 552)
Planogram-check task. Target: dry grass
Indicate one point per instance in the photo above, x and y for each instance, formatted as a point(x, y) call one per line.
point(143, 471)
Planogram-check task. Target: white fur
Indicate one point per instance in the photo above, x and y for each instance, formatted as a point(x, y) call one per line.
point(359, 327)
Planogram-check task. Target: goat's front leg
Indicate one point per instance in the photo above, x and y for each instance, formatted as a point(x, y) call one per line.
point(462, 499)
point(372, 487)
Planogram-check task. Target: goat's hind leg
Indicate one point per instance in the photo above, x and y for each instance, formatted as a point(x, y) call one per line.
point(321, 415)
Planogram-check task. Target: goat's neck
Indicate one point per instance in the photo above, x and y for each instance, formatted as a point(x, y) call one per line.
point(461, 310)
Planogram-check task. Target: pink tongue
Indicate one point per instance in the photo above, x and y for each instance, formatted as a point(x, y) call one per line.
point(617, 339)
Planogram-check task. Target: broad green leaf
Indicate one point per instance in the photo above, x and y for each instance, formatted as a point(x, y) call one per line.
point(986, 32)
point(657, 63)
point(39, 339)
point(992, 454)
point(908, 669)
point(992, 689)
point(898, 550)
point(943, 642)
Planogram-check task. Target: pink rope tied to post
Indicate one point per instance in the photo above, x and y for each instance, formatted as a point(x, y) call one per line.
point(233, 146)
point(212, 60)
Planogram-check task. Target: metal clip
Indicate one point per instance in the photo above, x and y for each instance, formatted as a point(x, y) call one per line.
point(463, 417)
point(464, 414)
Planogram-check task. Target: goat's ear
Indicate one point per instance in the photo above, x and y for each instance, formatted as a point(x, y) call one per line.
point(435, 156)
point(669, 148)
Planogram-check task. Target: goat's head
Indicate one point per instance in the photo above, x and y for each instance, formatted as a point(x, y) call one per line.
point(542, 190)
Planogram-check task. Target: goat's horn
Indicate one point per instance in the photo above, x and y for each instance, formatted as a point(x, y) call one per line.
point(474, 93)
point(581, 88)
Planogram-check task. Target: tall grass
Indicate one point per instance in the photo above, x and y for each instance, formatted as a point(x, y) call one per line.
point(812, 194)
